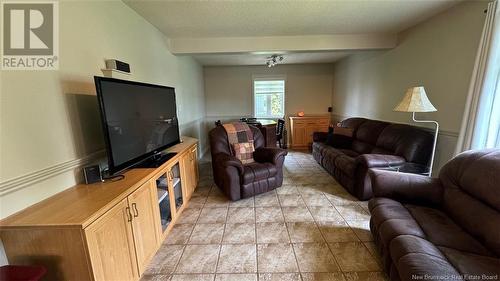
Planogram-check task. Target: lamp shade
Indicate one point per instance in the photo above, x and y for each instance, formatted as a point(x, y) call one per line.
point(415, 100)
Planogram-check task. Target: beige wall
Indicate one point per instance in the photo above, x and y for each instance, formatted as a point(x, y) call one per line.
point(49, 119)
point(438, 54)
point(229, 91)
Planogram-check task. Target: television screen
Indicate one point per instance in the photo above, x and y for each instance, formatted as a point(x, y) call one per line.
point(139, 120)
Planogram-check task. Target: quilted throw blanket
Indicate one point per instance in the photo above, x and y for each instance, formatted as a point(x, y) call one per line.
point(240, 139)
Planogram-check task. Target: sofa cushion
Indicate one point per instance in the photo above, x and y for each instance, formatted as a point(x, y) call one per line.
point(377, 201)
point(442, 231)
point(420, 265)
point(393, 228)
point(346, 164)
point(366, 135)
point(472, 264)
point(407, 244)
point(258, 171)
point(387, 209)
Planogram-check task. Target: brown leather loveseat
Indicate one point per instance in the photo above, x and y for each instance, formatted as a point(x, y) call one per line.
point(375, 144)
point(239, 180)
point(440, 228)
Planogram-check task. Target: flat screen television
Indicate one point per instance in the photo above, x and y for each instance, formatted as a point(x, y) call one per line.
point(139, 121)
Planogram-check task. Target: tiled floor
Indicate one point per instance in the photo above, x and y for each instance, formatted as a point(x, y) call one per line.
point(308, 229)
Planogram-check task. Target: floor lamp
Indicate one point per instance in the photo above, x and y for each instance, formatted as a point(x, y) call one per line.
point(415, 100)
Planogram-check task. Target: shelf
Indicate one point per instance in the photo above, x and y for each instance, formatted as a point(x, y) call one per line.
point(176, 181)
point(162, 193)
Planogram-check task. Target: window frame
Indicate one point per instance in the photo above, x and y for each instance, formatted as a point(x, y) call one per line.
point(268, 78)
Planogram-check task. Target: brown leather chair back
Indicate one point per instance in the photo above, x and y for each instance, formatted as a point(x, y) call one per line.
point(220, 144)
point(472, 194)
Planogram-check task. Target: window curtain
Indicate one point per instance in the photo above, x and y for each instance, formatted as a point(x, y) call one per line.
point(481, 121)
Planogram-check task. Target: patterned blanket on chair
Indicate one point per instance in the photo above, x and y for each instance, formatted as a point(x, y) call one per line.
point(240, 139)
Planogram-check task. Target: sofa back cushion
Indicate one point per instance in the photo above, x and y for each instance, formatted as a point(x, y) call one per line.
point(366, 135)
point(220, 144)
point(410, 142)
point(472, 194)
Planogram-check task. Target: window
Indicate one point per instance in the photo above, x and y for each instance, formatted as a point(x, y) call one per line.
point(269, 98)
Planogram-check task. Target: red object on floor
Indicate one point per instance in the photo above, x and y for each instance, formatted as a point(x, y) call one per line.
point(22, 272)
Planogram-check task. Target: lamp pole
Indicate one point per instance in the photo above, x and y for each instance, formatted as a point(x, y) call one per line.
point(435, 139)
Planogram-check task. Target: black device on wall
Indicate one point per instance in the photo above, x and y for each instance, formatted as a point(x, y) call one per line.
point(139, 122)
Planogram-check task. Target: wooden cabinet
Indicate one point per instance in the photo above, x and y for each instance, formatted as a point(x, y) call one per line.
point(302, 129)
point(144, 219)
point(102, 231)
point(111, 245)
point(190, 167)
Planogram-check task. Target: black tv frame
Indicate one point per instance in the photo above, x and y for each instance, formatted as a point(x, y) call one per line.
point(152, 155)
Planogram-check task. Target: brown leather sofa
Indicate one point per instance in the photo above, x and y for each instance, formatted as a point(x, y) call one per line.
point(375, 144)
point(440, 227)
point(239, 181)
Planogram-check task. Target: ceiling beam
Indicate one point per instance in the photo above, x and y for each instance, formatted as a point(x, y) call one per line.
point(308, 43)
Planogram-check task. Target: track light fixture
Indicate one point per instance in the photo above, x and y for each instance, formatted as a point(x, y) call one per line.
point(273, 60)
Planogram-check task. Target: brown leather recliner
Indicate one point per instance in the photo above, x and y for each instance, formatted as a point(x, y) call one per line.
point(239, 181)
point(440, 227)
point(375, 144)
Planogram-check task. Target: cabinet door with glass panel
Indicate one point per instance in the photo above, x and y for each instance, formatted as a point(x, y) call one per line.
point(170, 195)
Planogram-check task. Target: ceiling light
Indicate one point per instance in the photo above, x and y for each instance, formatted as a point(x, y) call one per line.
point(273, 60)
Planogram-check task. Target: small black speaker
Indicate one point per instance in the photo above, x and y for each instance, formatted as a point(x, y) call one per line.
point(92, 174)
point(118, 65)
point(329, 109)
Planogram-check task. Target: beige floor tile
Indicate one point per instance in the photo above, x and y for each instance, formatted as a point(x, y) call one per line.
point(343, 198)
point(315, 257)
point(237, 258)
point(337, 231)
point(353, 212)
point(287, 190)
point(197, 202)
point(213, 215)
point(268, 199)
point(354, 256)
point(269, 214)
point(207, 233)
point(248, 202)
point(189, 215)
point(362, 229)
point(165, 260)
point(216, 192)
point(301, 232)
point(316, 200)
point(276, 258)
point(239, 233)
point(158, 277)
point(236, 277)
point(297, 214)
point(202, 191)
point(310, 189)
point(330, 276)
point(279, 277)
point(325, 214)
point(217, 202)
point(272, 232)
point(291, 200)
point(193, 277)
point(180, 234)
point(240, 215)
point(372, 248)
point(198, 259)
point(365, 276)
point(364, 205)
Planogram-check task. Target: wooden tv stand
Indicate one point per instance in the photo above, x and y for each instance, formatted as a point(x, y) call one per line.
point(104, 231)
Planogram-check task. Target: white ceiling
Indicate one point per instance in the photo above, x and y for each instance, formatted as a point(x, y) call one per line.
point(238, 18)
point(188, 19)
point(260, 59)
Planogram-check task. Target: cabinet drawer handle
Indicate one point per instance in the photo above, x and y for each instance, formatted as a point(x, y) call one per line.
point(134, 208)
point(129, 215)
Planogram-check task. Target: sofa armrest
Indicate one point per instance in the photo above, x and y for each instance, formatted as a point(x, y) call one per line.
point(269, 154)
point(226, 160)
point(320, 136)
point(409, 188)
point(379, 160)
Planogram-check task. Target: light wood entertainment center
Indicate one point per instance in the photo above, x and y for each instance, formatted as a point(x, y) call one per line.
point(104, 231)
